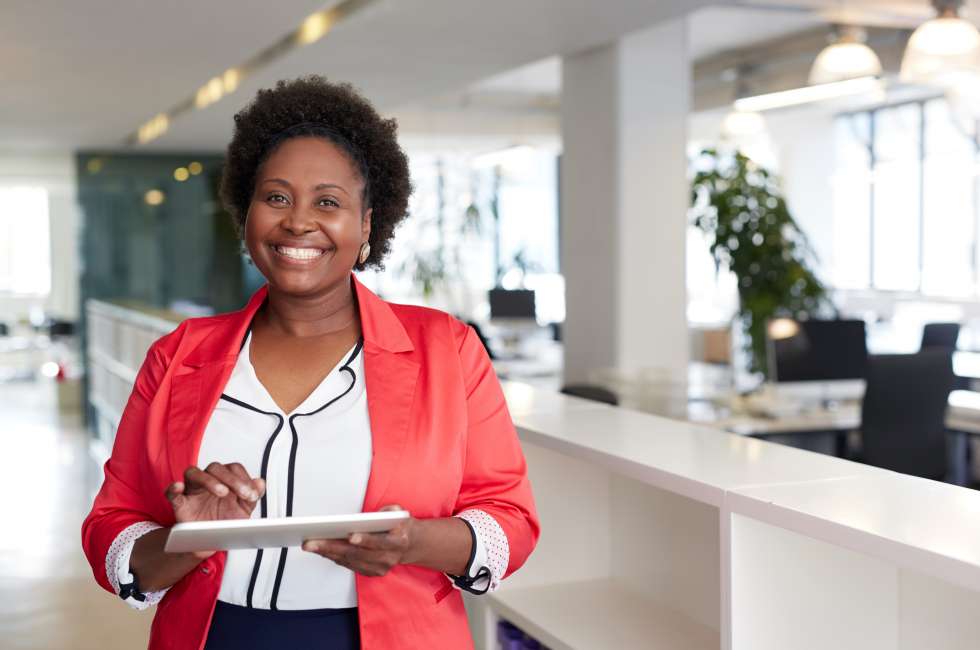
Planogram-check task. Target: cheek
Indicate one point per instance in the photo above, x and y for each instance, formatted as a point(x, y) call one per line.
point(344, 231)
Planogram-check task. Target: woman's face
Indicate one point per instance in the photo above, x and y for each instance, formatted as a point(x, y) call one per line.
point(306, 222)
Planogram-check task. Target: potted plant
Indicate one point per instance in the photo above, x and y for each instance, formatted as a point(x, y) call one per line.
point(741, 207)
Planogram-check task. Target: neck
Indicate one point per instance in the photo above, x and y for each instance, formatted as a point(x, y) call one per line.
point(330, 312)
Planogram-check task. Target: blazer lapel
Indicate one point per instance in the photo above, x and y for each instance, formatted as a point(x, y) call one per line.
point(193, 396)
point(199, 379)
point(391, 376)
point(390, 372)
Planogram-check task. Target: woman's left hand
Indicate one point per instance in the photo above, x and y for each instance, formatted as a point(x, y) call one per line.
point(370, 554)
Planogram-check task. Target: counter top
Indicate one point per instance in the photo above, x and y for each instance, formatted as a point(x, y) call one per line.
point(926, 525)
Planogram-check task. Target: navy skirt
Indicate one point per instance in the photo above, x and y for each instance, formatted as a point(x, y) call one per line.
point(234, 627)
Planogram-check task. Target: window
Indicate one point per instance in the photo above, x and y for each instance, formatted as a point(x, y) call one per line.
point(905, 201)
point(25, 245)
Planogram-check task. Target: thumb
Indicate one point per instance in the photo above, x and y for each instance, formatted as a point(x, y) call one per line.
point(391, 507)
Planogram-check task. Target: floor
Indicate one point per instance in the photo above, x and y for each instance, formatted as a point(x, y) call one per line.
point(48, 597)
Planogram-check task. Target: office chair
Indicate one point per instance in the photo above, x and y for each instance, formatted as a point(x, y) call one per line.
point(940, 335)
point(483, 339)
point(58, 328)
point(592, 392)
point(904, 410)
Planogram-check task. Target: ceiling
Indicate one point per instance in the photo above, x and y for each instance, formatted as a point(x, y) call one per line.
point(86, 81)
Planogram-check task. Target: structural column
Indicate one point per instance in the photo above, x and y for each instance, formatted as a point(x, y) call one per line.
point(624, 198)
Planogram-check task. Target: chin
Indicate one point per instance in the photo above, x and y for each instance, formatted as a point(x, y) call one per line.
point(300, 283)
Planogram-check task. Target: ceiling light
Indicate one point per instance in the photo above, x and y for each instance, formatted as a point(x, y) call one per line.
point(153, 129)
point(941, 50)
point(195, 168)
point(153, 197)
point(742, 124)
point(230, 80)
point(314, 27)
point(847, 57)
point(181, 174)
point(807, 94)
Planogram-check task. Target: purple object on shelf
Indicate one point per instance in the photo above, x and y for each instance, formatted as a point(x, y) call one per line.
point(508, 636)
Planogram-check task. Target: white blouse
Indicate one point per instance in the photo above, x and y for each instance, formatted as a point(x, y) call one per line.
point(315, 460)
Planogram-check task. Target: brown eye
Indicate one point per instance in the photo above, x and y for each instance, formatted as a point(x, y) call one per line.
point(328, 202)
point(276, 198)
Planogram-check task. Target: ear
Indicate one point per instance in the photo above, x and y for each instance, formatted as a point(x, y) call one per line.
point(366, 224)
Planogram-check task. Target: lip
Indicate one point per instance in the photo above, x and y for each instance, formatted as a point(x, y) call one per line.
point(286, 259)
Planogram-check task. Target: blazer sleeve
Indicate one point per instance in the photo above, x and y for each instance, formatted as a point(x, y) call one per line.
point(494, 472)
point(120, 502)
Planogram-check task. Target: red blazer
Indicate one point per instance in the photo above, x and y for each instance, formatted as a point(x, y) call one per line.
point(443, 442)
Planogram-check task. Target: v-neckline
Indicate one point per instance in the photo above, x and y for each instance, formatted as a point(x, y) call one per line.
point(245, 355)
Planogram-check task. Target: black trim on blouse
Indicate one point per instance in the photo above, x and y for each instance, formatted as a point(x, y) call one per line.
point(291, 472)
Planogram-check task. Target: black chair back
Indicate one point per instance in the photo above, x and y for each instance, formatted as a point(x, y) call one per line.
point(592, 392)
point(904, 411)
point(483, 339)
point(940, 335)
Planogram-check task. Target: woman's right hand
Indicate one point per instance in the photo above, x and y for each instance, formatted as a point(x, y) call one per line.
point(217, 492)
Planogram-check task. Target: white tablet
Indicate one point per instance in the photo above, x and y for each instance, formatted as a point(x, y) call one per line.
point(230, 534)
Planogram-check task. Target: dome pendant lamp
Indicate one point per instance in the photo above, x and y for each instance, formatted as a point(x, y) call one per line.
point(847, 57)
point(943, 51)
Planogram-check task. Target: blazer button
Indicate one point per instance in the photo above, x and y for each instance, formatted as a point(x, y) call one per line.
point(206, 570)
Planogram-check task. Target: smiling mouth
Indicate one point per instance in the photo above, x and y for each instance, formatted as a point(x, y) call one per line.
point(300, 254)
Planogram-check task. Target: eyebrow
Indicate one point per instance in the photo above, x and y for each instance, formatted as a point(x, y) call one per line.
point(321, 186)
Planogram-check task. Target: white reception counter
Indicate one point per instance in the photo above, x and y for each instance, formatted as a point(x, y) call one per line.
point(663, 534)
point(660, 534)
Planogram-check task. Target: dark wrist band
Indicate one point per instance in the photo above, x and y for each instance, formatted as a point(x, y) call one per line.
point(131, 590)
point(465, 582)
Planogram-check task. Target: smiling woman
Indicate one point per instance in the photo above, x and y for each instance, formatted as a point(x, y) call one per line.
point(318, 398)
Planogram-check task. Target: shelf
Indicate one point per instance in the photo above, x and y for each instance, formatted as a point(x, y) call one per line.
point(599, 614)
point(688, 459)
point(923, 525)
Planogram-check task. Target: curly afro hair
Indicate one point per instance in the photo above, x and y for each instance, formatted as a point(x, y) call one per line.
point(312, 106)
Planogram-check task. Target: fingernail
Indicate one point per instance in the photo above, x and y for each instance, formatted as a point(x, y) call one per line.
point(222, 490)
point(309, 546)
point(355, 538)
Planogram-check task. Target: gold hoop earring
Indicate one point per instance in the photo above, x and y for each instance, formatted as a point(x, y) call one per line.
point(365, 252)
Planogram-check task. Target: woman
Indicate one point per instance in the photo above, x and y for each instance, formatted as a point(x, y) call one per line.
point(316, 398)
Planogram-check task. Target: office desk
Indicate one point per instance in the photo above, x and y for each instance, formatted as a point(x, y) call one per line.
point(963, 416)
point(962, 422)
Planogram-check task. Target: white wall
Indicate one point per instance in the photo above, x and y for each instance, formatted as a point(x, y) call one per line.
point(801, 151)
point(55, 172)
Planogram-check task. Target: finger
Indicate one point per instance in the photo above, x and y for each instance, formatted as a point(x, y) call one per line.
point(197, 478)
point(391, 507)
point(377, 541)
point(364, 561)
point(238, 470)
point(326, 547)
point(242, 487)
point(174, 490)
point(257, 485)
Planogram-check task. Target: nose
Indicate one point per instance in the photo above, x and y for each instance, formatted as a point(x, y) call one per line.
point(298, 222)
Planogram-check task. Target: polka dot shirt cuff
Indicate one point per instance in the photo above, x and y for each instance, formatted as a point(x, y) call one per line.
point(117, 563)
point(492, 550)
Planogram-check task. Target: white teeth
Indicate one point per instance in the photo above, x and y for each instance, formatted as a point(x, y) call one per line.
point(299, 253)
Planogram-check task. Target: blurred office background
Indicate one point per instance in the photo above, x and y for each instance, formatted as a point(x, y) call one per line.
point(761, 215)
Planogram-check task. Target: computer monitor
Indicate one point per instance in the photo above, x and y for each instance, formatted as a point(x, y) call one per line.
point(512, 304)
point(817, 350)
